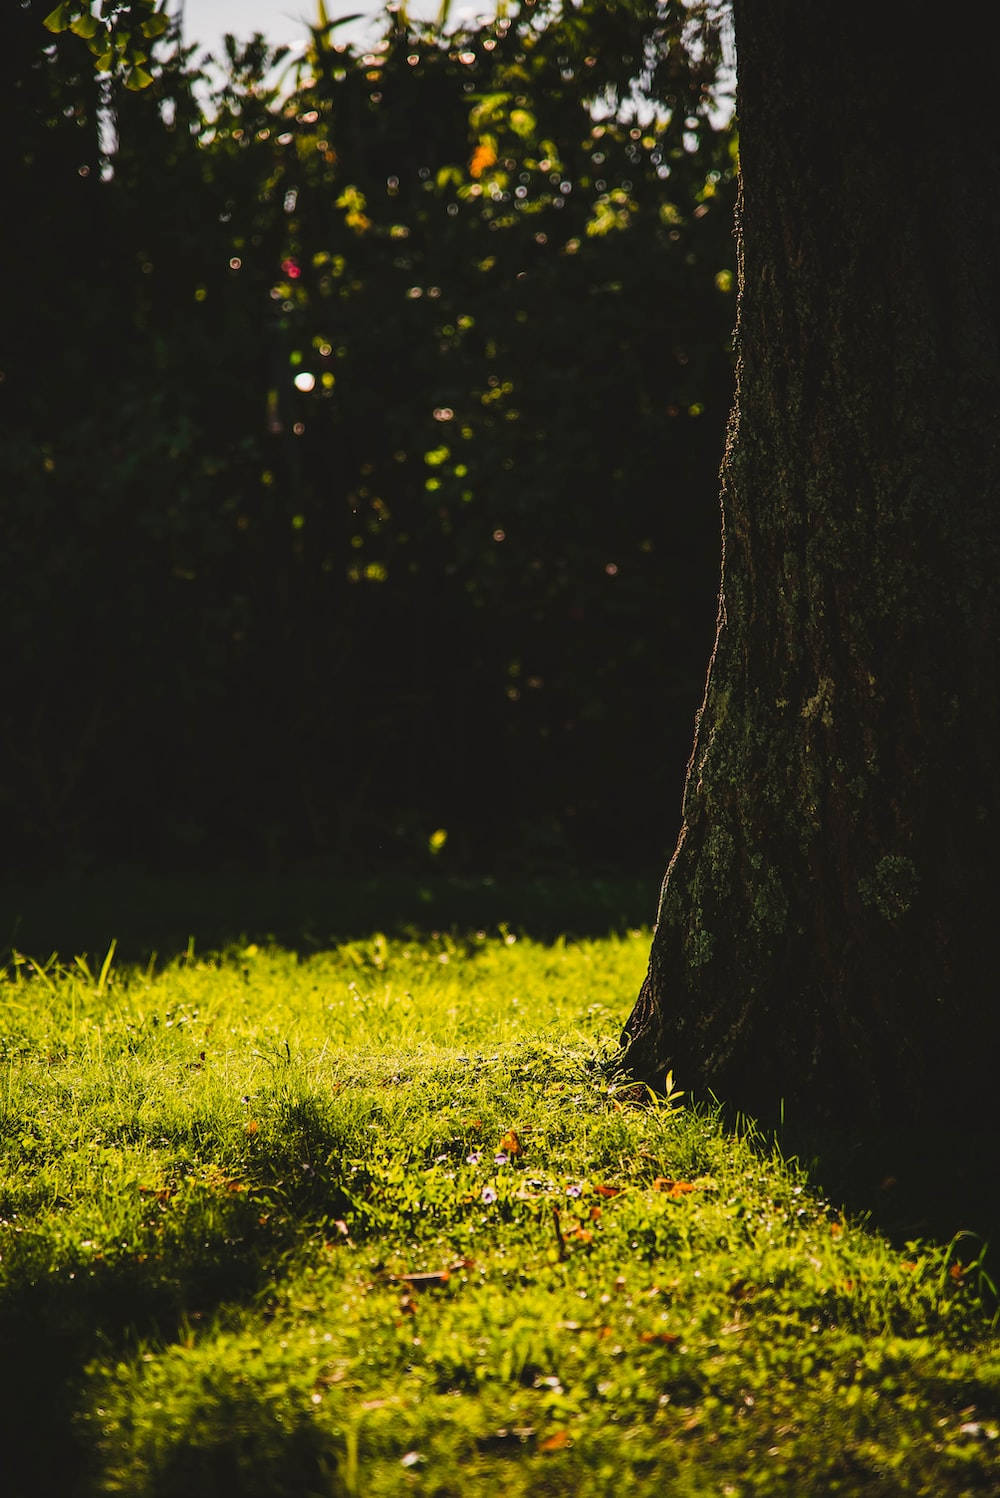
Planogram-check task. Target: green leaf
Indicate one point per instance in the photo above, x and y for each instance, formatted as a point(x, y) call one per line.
point(58, 19)
point(488, 108)
point(85, 26)
point(137, 79)
point(446, 175)
point(156, 25)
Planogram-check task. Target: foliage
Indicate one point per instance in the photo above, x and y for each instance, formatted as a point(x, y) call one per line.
point(376, 1219)
point(366, 442)
point(117, 33)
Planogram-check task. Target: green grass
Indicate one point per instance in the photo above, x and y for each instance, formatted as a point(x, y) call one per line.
point(375, 1221)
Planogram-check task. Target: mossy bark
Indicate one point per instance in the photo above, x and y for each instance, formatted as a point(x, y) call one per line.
point(826, 928)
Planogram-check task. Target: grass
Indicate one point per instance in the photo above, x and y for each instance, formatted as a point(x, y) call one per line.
point(375, 1221)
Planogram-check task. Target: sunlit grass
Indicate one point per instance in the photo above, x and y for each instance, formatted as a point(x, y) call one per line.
point(378, 1221)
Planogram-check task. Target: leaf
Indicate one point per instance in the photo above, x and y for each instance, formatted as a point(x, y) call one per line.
point(511, 1143)
point(674, 1189)
point(603, 1190)
point(666, 1339)
point(137, 79)
point(557, 1441)
point(156, 25)
point(483, 157)
point(85, 26)
point(58, 19)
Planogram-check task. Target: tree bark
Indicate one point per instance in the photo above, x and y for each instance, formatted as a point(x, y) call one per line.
point(825, 933)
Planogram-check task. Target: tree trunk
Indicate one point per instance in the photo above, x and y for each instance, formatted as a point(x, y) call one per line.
point(825, 929)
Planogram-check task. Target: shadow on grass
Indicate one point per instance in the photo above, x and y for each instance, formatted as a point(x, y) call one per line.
point(168, 915)
point(935, 1184)
point(60, 1308)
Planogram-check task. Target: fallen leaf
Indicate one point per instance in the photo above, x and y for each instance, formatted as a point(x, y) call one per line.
point(251, 1126)
point(510, 1142)
point(424, 1278)
point(557, 1441)
point(668, 1339)
point(836, 1228)
point(675, 1189)
point(603, 1190)
point(635, 1093)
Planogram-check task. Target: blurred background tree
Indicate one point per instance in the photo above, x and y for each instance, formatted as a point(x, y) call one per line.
point(361, 427)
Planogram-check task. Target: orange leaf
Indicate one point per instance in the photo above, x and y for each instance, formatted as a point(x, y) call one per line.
point(603, 1190)
point(668, 1339)
point(557, 1441)
point(836, 1228)
point(582, 1235)
point(956, 1271)
point(673, 1188)
point(251, 1126)
point(483, 157)
point(510, 1142)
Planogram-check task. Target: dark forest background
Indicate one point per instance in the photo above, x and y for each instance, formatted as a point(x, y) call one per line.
point(361, 422)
